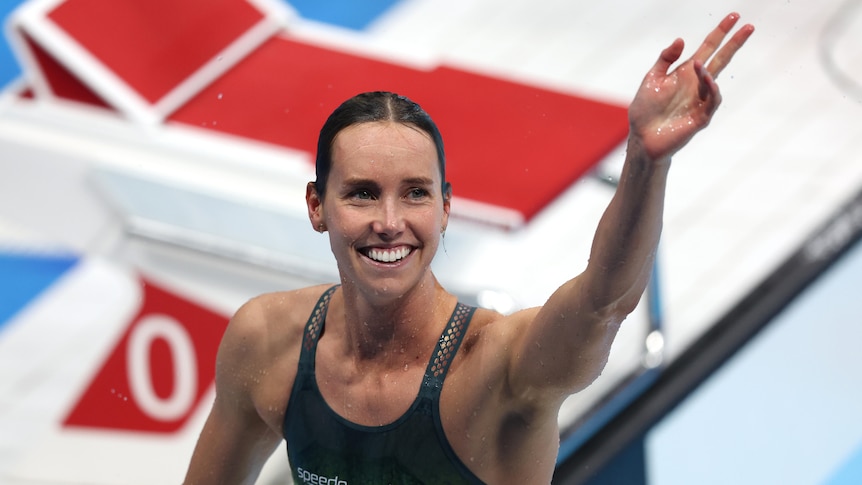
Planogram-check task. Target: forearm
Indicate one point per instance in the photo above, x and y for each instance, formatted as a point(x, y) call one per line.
point(626, 240)
point(571, 335)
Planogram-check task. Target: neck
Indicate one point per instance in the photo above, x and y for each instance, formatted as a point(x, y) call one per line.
point(397, 330)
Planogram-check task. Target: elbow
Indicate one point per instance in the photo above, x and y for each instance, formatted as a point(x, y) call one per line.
point(613, 312)
point(589, 361)
point(624, 307)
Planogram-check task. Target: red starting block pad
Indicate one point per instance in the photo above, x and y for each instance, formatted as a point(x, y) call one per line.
point(512, 148)
point(508, 145)
point(143, 58)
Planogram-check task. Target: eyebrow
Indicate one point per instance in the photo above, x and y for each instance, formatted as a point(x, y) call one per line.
point(363, 182)
point(419, 181)
point(356, 181)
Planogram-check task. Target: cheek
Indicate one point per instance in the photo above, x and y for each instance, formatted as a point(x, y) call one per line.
point(345, 231)
point(339, 227)
point(431, 224)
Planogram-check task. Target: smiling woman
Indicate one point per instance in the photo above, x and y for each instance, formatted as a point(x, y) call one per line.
point(365, 380)
point(383, 206)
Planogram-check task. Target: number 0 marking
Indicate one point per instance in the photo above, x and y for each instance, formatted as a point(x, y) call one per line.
point(184, 362)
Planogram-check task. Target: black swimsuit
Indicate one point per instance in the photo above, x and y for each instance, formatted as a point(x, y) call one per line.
point(325, 448)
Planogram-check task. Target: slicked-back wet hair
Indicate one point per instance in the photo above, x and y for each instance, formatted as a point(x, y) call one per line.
point(370, 107)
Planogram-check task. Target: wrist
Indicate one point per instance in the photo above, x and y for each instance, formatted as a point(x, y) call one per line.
point(638, 153)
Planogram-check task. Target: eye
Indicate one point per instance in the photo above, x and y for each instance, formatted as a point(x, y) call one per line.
point(417, 193)
point(362, 194)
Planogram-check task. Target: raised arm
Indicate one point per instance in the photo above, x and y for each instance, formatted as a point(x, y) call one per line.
point(571, 334)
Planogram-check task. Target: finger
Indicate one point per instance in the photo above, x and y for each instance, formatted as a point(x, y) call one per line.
point(722, 57)
point(711, 96)
point(712, 42)
point(668, 56)
point(706, 86)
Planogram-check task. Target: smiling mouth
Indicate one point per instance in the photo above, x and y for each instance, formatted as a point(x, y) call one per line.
point(391, 255)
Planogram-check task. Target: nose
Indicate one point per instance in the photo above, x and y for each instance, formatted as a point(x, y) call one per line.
point(389, 220)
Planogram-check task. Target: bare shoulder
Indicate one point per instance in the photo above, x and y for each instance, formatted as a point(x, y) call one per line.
point(495, 329)
point(494, 351)
point(490, 336)
point(268, 319)
point(259, 351)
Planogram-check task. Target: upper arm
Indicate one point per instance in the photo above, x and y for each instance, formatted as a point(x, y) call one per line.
point(235, 441)
point(561, 347)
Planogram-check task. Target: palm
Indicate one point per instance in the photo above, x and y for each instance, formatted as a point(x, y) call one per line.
point(672, 106)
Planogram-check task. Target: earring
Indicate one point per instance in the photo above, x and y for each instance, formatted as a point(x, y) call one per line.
point(321, 227)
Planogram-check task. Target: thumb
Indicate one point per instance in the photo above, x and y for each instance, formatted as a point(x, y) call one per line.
point(668, 56)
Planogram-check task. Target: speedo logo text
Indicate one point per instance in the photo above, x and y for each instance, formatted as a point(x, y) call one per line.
point(315, 479)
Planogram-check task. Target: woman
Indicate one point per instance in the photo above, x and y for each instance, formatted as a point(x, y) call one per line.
point(386, 378)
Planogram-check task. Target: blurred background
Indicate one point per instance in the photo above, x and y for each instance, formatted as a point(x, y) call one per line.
point(153, 161)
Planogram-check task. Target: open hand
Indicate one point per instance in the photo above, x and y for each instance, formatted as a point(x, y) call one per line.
point(671, 107)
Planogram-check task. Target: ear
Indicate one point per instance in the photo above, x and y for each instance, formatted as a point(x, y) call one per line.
point(314, 202)
point(447, 202)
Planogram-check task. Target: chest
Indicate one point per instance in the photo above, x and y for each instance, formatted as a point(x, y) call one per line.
point(368, 398)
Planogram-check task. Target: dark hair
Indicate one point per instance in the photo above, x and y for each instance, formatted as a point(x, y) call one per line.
point(369, 107)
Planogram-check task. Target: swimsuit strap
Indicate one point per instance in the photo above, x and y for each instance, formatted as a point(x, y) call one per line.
point(314, 327)
point(446, 348)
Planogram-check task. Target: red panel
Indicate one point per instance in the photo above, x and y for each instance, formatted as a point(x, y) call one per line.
point(154, 45)
point(168, 333)
point(508, 144)
point(62, 82)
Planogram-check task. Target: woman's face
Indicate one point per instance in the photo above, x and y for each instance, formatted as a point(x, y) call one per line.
point(384, 208)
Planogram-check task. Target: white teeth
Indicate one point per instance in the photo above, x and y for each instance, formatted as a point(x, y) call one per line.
point(388, 255)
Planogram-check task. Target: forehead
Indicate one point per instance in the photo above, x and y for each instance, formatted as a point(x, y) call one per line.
point(387, 143)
